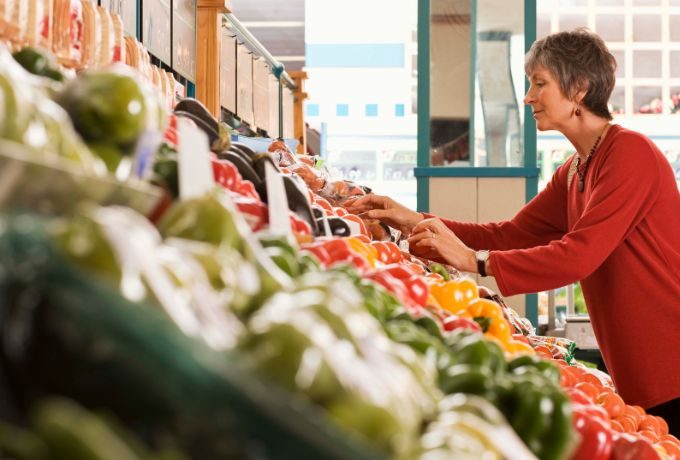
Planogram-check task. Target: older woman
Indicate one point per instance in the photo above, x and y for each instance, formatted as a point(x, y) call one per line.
point(610, 217)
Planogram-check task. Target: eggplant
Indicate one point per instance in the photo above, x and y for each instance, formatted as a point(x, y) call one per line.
point(243, 148)
point(246, 157)
point(337, 225)
point(196, 111)
point(259, 162)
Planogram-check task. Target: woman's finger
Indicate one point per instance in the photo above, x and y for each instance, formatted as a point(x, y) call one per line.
point(424, 225)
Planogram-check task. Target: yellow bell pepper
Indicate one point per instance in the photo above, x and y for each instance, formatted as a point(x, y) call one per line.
point(365, 250)
point(454, 295)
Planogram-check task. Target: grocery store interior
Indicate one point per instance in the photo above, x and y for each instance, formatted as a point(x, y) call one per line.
point(311, 229)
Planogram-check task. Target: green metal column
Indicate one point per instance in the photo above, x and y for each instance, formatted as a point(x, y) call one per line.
point(423, 183)
point(530, 151)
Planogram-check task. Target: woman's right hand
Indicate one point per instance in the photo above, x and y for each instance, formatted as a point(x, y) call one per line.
point(386, 210)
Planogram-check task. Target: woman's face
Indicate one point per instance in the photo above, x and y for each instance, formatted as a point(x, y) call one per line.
point(552, 110)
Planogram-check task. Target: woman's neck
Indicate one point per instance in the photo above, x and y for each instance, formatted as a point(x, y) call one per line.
point(584, 133)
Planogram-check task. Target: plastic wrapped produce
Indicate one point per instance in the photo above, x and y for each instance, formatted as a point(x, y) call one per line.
point(67, 32)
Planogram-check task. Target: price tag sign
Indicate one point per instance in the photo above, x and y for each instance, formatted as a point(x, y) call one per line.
point(279, 224)
point(194, 166)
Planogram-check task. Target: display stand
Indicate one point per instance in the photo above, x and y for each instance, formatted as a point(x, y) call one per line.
point(208, 51)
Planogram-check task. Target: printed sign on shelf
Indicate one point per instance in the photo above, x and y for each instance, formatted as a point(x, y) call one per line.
point(127, 9)
point(156, 28)
point(261, 97)
point(184, 38)
point(274, 107)
point(288, 102)
point(228, 71)
point(244, 78)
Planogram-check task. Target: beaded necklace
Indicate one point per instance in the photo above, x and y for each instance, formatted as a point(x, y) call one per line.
point(582, 173)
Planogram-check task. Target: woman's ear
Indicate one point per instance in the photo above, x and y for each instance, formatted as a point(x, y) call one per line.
point(580, 92)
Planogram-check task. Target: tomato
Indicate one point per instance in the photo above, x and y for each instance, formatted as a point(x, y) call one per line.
point(616, 425)
point(589, 389)
point(669, 437)
point(649, 435)
point(671, 448)
point(543, 351)
point(663, 426)
point(628, 424)
point(591, 378)
point(631, 412)
point(650, 422)
point(612, 403)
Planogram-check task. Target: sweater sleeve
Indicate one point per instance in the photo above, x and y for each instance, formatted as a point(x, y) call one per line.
point(540, 221)
point(623, 192)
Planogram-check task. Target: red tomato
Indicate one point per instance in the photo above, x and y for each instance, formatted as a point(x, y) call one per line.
point(612, 403)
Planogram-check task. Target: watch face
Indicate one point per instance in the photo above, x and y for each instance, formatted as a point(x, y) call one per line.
point(482, 256)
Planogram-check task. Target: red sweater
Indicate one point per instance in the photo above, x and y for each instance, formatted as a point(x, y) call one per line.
point(621, 239)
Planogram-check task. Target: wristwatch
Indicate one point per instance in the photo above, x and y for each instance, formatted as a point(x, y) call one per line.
point(482, 256)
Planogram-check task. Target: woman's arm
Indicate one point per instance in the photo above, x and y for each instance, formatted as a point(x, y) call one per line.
point(542, 220)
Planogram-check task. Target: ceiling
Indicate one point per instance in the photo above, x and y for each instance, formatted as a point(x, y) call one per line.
point(278, 25)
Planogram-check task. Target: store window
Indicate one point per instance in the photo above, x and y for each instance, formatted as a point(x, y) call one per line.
point(647, 99)
point(675, 64)
point(571, 3)
point(647, 2)
point(620, 57)
point(312, 110)
point(371, 110)
point(647, 28)
point(647, 64)
point(675, 99)
point(342, 110)
point(573, 21)
point(611, 27)
point(617, 102)
point(674, 20)
point(610, 2)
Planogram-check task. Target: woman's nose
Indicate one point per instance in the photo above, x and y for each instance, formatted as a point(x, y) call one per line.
point(528, 97)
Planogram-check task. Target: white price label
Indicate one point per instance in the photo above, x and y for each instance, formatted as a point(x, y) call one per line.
point(195, 169)
point(279, 224)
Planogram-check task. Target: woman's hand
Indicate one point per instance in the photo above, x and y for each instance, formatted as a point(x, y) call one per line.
point(432, 239)
point(386, 210)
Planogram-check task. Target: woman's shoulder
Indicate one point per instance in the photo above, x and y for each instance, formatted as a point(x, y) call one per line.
point(631, 151)
point(628, 140)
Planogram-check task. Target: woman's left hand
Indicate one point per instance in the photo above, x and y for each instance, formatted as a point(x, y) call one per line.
point(432, 239)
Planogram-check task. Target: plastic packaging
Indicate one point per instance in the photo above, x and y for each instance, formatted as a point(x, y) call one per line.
point(68, 32)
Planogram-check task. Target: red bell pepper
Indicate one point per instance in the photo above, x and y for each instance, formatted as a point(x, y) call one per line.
point(339, 211)
point(298, 225)
point(388, 252)
point(453, 322)
point(320, 253)
point(393, 285)
point(418, 289)
point(629, 447)
point(226, 174)
point(596, 437)
point(247, 188)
